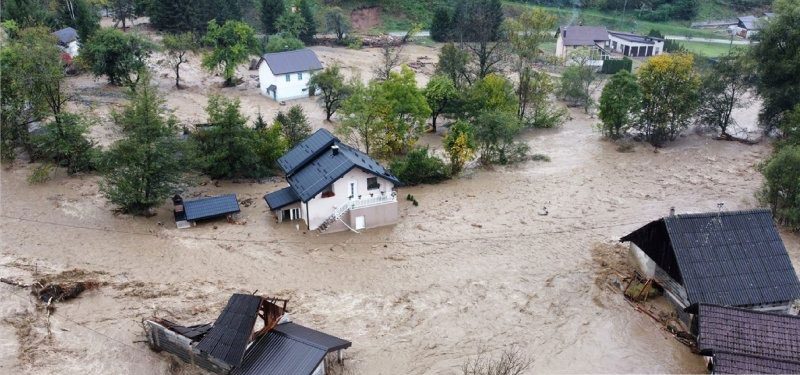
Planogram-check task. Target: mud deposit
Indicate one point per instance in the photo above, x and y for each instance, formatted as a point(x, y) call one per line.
point(473, 266)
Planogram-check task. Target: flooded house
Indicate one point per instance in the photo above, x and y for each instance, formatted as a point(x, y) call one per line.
point(285, 75)
point(742, 341)
point(253, 335)
point(734, 258)
point(334, 187)
point(67, 39)
point(594, 39)
point(188, 212)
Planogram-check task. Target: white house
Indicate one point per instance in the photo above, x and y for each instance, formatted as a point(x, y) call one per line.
point(573, 38)
point(747, 26)
point(68, 41)
point(633, 45)
point(334, 187)
point(285, 75)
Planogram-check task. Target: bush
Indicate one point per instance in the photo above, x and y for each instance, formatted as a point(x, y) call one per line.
point(540, 157)
point(782, 187)
point(65, 144)
point(41, 174)
point(613, 66)
point(279, 43)
point(419, 167)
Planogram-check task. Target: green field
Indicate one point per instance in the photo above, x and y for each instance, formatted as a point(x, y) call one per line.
point(707, 49)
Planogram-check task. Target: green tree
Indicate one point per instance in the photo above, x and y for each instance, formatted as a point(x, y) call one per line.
point(27, 13)
point(145, 167)
point(439, 93)
point(722, 90)
point(494, 134)
point(122, 10)
point(407, 113)
point(782, 187)
point(540, 111)
point(526, 34)
point(777, 62)
point(579, 81)
point(669, 88)
point(119, 56)
point(337, 22)
point(232, 44)
point(279, 43)
point(478, 28)
point(271, 10)
point(459, 143)
point(64, 142)
point(177, 16)
point(619, 103)
point(418, 166)
point(363, 114)
point(310, 29)
point(492, 93)
point(790, 127)
point(294, 125)
point(330, 82)
point(270, 146)
point(453, 63)
point(178, 46)
point(80, 15)
point(291, 24)
point(441, 25)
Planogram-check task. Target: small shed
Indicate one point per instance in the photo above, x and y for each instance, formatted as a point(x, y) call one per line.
point(741, 341)
point(190, 211)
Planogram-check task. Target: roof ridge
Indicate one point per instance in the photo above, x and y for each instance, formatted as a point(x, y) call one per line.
point(750, 311)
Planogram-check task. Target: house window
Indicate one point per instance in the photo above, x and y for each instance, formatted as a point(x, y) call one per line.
point(288, 77)
point(372, 183)
point(328, 192)
point(300, 76)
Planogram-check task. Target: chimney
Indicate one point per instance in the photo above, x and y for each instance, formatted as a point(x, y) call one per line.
point(335, 150)
point(672, 211)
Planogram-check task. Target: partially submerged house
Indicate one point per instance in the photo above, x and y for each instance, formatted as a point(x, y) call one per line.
point(67, 39)
point(746, 26)
point(253, 335)
point(594, 39)
point(285, 75)
point(741, 341)
point(727, 258)
point(334, 187)
point(634, 45)
point(189, 212)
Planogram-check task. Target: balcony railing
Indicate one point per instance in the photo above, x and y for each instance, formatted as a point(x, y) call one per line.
point(373, 201)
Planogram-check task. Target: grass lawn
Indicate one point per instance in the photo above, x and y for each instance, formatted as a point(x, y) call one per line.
point(706, 49)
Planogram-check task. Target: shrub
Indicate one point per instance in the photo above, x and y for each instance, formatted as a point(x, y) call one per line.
point(419, 167)
point(613, 66)
point(540, 157)
point(64, 142)
point(41, 174)
point(279, 43)
point(782, 187)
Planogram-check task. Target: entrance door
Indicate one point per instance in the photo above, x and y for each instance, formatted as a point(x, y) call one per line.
point(360, 223)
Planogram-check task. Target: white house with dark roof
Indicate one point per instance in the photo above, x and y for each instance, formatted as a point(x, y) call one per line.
point(285, 75)
point(67, 39)
point(334, 187)
point(634, 45)
point(747, 26)
point(595, 39)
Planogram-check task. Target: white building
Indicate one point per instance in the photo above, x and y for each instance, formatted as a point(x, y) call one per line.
point(747, 26)
point(285, 75)
point(68, 41)
point(334, 187)
point(571, 39)
point(633, 45)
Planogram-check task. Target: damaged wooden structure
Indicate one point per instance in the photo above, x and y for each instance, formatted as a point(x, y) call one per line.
point(252, 335)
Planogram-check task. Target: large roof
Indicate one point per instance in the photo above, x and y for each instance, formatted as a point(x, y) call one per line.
point(314, 164)
point(636, 38)
point(728, 258)
point(301, 60)
point(750, 22)
point(231, 332)
point(747, 342)
point(66, 35)
point(210, 207)
point(583, 35)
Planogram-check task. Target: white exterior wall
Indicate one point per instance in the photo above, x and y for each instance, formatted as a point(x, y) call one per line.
point(560, 47)
point(658, 47)
point(320, 209)
point(72, 48)
point(294, 89)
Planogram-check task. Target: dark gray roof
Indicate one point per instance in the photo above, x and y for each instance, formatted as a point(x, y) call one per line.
point(301, 60)
point(583, 35)
point(194, 333)
point(746, 341)
point(636, 38)
point(306, 150)
point(210, 207)
point(231, 332)
point(728, 258)
point(281, 198)
point(289, 349)
point(66, 35)
point(749, 22)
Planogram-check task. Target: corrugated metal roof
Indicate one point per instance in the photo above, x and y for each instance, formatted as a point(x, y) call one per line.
point(281, 198)
point(583, 35)
point(635, 37)
point(66, 35)
point(231, 332)
point(728, 258)
point(312, 337)
point(306, 150)
point(746, 341)
point(749, 22)
point(210, 207)
point(301, 60)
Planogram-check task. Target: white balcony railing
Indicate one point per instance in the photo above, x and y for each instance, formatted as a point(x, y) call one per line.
point(373, 201)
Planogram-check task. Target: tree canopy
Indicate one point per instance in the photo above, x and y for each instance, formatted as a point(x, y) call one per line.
point(232, 44)
point(119, 56)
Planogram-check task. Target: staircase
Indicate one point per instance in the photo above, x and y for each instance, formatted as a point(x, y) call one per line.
point(336, 215)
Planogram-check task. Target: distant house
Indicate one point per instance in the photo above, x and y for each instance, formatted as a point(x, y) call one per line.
point(727, 258)
point(285, 75)
point(746, 27)
point(334, 187)
point(593, 38)
point(68, 41)
point(740, 341)
point(633, 45)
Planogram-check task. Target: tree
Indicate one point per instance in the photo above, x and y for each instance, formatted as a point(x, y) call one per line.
point(122, 10)
point(536, 91)
point(80, 15)
point(453, 63)
point(492, 93)
point(777, 62)
point(578, 81)
point(790, 127)
point(782, 186)
point(232, 44)
point(226, 148)
point(177, 16)
point(330, 82)
point(494, 133)
point(363, 114)
point(722, 90)
point(278, 43)
point(271, 10)
point(526, 34)
point(310, 29)
point(478, 28)
point(337, 22)
point(178, 46)
point(419, 167)
point(290, 24)
point(442, 25)
point(390, 59)
point(669, 87)
point(27, 13)
point(294, 125)
point(64, 142)
point(459, 143)
point(439, 93)
point(117, 55)
point(141, 170)
point(270, 145)
point(619, 103)
point(407, 113)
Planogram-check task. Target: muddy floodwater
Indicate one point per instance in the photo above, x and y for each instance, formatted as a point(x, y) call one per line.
point(476, 266)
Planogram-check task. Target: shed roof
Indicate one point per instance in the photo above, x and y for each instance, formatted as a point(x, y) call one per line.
point(66, 35)
point(636, 38)
point(300, 60)
point(210, 207)
point(231, 332)
point(746, 341)
point(312, 337)
point(749, 22)
point(583, 35)
point(281, 198)
point(729, 258)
